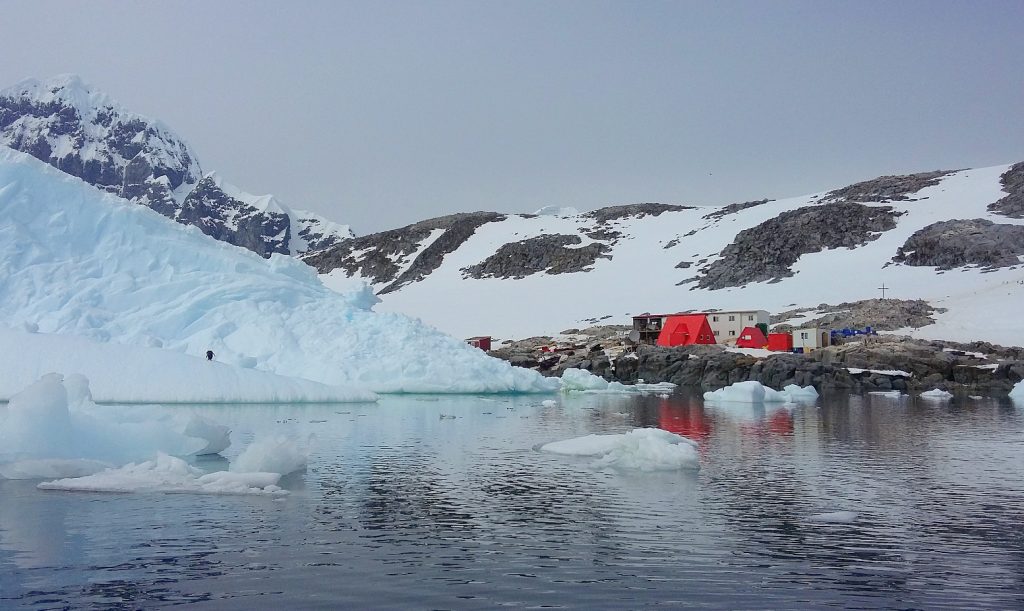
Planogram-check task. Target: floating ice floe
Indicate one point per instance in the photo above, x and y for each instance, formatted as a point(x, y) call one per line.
point(169, 474)
point(53, 429)
point(581, 380)
point(639, 449)
point(549, 403)
point(835, 517)
point(936, 395)
point(755, 392)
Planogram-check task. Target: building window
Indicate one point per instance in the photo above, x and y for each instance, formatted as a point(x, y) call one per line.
point(732, 318)
point(732, 333)
point(716, 333)
point(750, 317)
point(803, 336)
point(714, 319)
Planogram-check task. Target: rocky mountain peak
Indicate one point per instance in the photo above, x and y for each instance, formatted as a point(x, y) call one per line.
point(82, 131)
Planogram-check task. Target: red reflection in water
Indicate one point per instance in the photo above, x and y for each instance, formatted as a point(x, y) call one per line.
point(687, 420)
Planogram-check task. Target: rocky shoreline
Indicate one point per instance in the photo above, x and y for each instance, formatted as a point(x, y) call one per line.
point(872, 363)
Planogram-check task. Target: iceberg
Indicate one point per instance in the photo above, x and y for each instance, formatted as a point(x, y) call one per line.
point(75, 261)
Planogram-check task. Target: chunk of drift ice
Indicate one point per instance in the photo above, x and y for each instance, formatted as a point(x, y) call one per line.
point(549, 403)
point(639, 450)
point(272, 454)
point(835, 517)
point(581, 380)
point(169, 474)
point(755, 392)
point(936, 395)
point(53, 429)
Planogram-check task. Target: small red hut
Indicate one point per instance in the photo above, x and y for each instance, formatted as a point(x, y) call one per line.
point(751, 337)
point(482, 342)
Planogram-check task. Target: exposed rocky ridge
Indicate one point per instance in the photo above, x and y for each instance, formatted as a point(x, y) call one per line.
point(553, 254)
point(957, 243)
point(974, 367)
point(767, 251)
point(887, 188)
point(613, 213)
point(225, 218)
point(929, 366)
point(83, 132)
point(1013, 183)
point(380, 257)
point(879, 314)
point(733, 209)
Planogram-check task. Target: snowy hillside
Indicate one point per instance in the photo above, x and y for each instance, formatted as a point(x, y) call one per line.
point(514, 276)
point(82, 131)
point(76, 261)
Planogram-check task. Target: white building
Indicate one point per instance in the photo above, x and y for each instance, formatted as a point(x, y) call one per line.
point(811, 339)
point(727, 325)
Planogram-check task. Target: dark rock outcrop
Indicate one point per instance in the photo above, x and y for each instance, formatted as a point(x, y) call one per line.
point(553, 254)
point(767, 251)
point(879, 314)
point(1013, 183)
point(225, 218)
point(613, 213)
point(733, 209)
point(380, 257)
point(957, 243)
point(887, 188)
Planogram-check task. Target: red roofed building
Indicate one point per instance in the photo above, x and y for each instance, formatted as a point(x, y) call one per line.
point(751, 337)
point(685, 330)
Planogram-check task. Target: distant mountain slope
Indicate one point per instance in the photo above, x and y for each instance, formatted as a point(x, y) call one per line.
point(953, 238)
point(82, 131)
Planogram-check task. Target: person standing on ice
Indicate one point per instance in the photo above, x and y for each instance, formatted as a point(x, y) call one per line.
point(209, 355)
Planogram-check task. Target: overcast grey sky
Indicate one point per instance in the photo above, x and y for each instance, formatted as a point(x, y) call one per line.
point(379, 114)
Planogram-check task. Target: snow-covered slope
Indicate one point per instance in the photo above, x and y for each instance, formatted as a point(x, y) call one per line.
point(82, 131)
point(76, 261)
point(522, 275)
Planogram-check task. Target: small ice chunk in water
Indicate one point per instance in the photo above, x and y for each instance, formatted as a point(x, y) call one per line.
point(753, 391)
point(277, 454)
point(937, 395)
point(835, 517)
point(639, 449)
point(549, 403)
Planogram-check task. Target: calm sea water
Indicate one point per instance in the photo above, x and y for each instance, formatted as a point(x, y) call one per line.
point(443, 502)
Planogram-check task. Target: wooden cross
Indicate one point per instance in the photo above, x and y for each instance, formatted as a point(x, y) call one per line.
point(883, 288)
